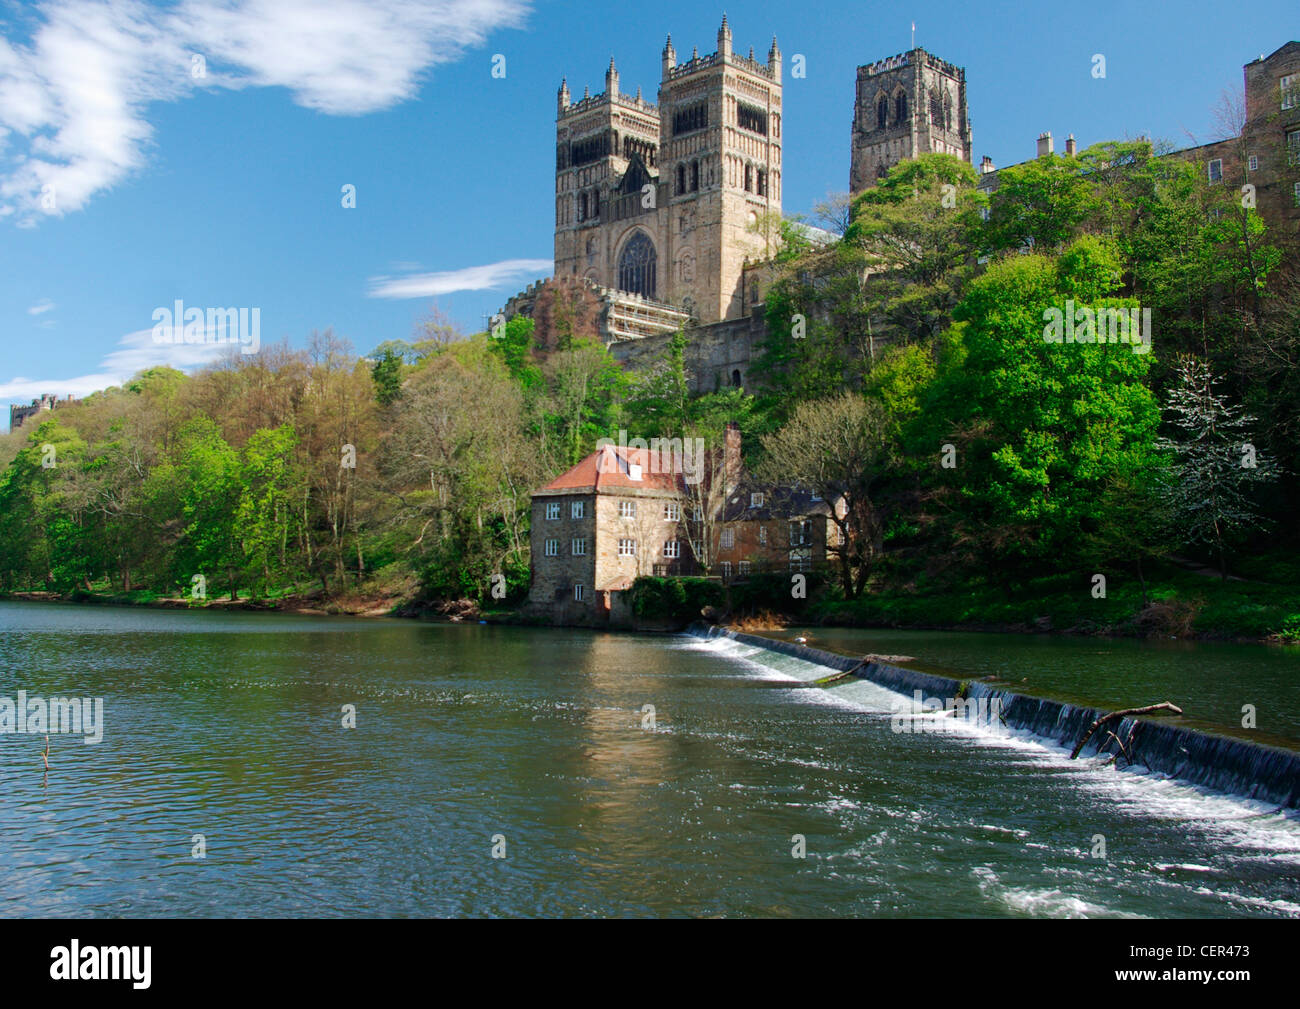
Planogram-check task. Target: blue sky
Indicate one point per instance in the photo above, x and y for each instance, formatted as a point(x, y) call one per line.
point(225, 189)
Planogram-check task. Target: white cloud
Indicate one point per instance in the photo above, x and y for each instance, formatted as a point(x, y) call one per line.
point(470, 278)
point(41, 307)
point(74, 97)
point(135, 352)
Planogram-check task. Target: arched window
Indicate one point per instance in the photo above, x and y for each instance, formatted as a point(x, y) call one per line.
point(882, 113)
point(681, 177)
point(762, 183)
point(900, 108)
point(636, 266)
point(749, 178)
point(881, 171)
point(582, 206)
point(735, 377)
point(595, 203)
point(695, 176)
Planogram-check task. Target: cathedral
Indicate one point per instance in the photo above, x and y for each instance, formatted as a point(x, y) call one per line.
point(667, 211)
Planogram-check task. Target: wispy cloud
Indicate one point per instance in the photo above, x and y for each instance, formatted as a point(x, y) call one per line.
point(135, 352)
point(471, 278)
point(41, 307)
point(74, 96)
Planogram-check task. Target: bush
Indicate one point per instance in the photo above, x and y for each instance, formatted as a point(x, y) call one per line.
point(675, 598)
point(770, 591)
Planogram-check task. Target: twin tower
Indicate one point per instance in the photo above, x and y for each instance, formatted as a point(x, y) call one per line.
point(670, 201)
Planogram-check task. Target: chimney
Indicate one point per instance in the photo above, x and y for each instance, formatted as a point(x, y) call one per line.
point(731, 457)
point(1044, 143)
point(1069, 146)
point(986, 165)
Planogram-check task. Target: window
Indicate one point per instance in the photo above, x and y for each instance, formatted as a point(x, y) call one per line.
point(690, 118)
point(800, 533)
point(1215, 170)
point(695, 176)
point(726, 569)
point(749, 178)
point(627, 548)
point(681, 178)
point(1297, 194)
point(673, 548)
point(762, 183)
point(756, 499)
point(728, 538)
point(900, 109)
point(552, 548)
point(582, 206)
point(698, 514)
point(762, 536)
point(579, 546)
point(578, 510)
point(577, 593)
point(553, 510)
point(752, 118)
point(800, 560)
point(1252, 163)
point(882, 113)
point(1293, 147)
point(1290, 88)
point(627, 509)
point(637, 266)
point(744, 567)
point(673, 511)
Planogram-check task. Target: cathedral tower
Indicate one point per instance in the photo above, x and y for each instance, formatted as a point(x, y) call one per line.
point(906, 106)
point(669, 201)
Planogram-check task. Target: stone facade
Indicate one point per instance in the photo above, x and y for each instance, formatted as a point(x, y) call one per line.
point(670, 201)
point(18, 414)
point(906, 106)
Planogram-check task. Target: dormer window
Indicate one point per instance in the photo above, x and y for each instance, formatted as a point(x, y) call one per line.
point(756, 499)
point(633, 471)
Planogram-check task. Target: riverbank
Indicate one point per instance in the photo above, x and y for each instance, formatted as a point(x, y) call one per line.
point(1177, 603)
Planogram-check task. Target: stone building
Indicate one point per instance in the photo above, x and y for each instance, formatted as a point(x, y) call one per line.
point(1265, 154)
point(905, 106)
point(668, 201)
point(627, 511)
point(18, 414)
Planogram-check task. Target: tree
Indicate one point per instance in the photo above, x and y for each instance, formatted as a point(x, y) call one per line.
point(1216, 460)
point(1039, 204)
point(837, 449)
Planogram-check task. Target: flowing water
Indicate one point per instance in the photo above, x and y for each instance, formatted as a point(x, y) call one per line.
point(536, 745)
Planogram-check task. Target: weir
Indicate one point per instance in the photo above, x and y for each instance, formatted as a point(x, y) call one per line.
point(1223, 763)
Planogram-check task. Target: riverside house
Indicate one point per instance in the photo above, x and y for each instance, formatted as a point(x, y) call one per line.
point(623, 512)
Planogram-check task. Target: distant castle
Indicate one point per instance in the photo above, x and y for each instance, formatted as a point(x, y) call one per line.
point(667, 215)
point(18, 414)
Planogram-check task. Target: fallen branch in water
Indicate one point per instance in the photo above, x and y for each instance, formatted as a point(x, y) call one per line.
point(1162, 706)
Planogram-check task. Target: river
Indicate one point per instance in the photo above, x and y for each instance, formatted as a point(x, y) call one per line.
point(535, 745)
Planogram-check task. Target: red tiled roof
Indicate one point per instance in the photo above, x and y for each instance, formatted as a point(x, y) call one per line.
point(607, 469)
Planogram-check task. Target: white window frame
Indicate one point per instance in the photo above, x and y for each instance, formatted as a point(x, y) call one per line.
point(1297, 194)
point(801, 560)
point(744, 567)
point(728, 539)
point(1289, 86)
point(578, 590)
point(1252, 163)
point(627, 509)
point(552, 511)
point(698, 514)
point(627, 547)
point(672, 548)
point(1210, 169)
point(762, 536)
point(726, 569)
point(1293, 147)
point(579, 510)
point(578, 546)
point(552, 548)
point(672, 512)
point(756, 499)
